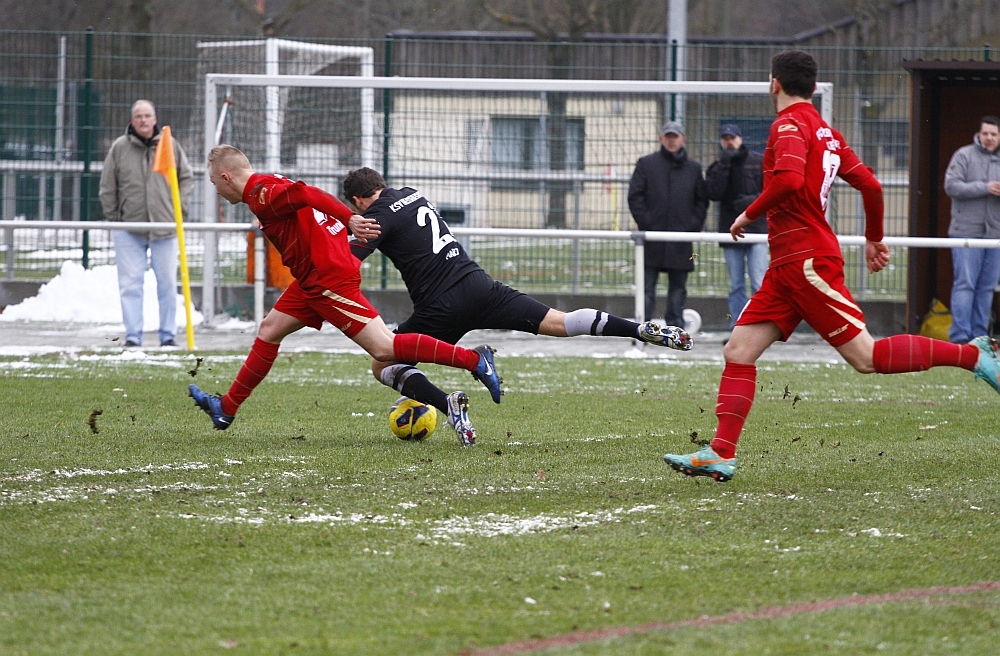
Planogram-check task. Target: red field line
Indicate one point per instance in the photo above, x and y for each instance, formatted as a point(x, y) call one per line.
point(771, 612)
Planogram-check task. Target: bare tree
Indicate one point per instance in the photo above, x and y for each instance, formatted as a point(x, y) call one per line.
point(560, 24)
point(272, 23)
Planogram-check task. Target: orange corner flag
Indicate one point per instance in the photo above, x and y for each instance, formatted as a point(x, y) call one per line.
point(165, 164)
point(163, 159)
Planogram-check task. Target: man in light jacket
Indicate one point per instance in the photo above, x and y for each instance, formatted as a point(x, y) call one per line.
point(131, 192)
point(973, 184)
point(667, 193)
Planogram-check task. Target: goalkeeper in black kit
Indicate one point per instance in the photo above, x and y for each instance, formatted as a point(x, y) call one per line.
point(452, 295)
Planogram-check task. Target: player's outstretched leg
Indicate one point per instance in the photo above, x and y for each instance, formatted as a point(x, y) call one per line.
point(415, 347)
point(587, 321)
point(486, 372)
point(668, 336)
point(458, 418)
point(988, 365)
point(212, 405)
point(705, 462)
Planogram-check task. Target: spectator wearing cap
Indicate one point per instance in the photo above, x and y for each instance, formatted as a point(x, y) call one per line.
point(667, 193)
point(735, 180)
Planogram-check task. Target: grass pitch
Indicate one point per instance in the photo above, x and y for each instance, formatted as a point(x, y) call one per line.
point(129, 526)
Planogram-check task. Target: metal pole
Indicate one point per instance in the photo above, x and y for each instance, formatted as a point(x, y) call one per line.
point(859, 208)
point(677, 35)
point(273, 115)
point(638, 238)
point(576, 242)
point(543, 157)
point(9, 208)
point(210, 207)
point(258, 276)
point(386, 110)
point(60, 144)
point(87, 142)
point(672, 111)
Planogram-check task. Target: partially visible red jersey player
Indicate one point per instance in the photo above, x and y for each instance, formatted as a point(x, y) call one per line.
point(805, 280)
point(309, 228)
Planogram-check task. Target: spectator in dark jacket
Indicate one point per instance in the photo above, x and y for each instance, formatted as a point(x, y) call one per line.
point(668, 193)
point(735, 180)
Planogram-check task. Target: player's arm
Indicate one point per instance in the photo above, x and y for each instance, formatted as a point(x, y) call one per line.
point(854, 172)
point(301, 195)
point(788, 141)
point(363, 228)
point(362, 248)
point(779, 189)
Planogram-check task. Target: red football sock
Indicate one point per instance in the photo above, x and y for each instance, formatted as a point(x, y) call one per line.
point(736, 392)
point(414, 347)
point(257, 364)
point(902, 353)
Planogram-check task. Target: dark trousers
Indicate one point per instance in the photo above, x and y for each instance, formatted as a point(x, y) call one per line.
point(676, 295)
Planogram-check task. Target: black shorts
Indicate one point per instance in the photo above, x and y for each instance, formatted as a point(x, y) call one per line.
point(477, 302)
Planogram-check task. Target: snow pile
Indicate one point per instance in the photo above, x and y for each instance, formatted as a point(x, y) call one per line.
point(90, 296)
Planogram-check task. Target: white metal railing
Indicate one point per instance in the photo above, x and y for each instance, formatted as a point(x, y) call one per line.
point(638, 238)
point(9, 227)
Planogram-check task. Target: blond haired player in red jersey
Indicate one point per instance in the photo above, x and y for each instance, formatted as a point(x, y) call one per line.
point(805, 280)
point(309, 228)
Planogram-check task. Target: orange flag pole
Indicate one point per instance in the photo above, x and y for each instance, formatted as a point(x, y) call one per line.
point(165, 164)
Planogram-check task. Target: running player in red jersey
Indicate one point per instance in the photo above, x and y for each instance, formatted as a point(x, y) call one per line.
point(805, 280)
point(309, 228)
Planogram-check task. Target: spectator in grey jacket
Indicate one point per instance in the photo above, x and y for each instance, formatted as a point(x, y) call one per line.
point(973, 184)
point(131, 192)
point(668, 193)
point(735, 180)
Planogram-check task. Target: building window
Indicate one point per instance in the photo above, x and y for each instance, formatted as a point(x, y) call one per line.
point(520, 144)
point(892, 138)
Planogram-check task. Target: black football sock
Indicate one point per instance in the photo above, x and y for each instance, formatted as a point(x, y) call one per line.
point(410, 381)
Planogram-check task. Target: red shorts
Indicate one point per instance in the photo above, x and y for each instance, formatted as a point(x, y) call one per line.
point(812, 290)
point(347, 310)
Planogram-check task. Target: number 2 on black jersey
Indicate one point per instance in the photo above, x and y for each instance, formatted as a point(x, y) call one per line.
point(427, 215)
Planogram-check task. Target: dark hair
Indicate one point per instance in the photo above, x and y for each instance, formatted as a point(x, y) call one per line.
point(992, 120)
point(796, 71)
point(362, 183)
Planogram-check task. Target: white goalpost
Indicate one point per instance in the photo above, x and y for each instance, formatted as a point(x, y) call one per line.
point(483, 147)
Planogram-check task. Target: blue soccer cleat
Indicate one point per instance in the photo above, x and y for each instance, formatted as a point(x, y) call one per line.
point(458, 418)
point(703, 463)
point(669, 336)
point(212, 405)
point(486, 372)
point(988, 366)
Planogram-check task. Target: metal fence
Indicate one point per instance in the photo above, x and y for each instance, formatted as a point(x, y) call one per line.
point(65, 96)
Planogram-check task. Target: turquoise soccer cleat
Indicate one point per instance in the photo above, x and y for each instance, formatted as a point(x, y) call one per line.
point(703, 463)
point(988, 366)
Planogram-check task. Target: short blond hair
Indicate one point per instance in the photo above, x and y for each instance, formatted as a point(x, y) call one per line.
point(228, 159)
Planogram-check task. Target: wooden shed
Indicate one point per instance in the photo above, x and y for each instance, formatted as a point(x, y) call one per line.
point(948, 99)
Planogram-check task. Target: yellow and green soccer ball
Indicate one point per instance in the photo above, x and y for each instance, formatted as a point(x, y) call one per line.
point(412, 420)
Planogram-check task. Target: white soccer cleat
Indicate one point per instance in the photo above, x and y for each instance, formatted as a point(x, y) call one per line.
point(458, 418)
point(668, 336)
